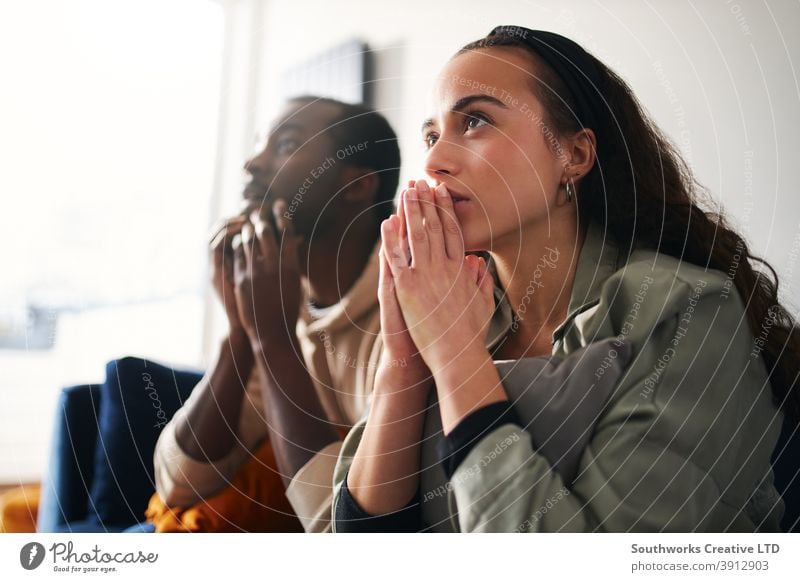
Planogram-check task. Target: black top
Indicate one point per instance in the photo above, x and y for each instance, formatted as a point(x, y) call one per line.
point(452, 450)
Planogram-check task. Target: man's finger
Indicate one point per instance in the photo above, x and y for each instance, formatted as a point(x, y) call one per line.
point(265, 237)
point(284, 223)
point(224, 228)
point(249, 244)
point(239, 261)
point(288, 240)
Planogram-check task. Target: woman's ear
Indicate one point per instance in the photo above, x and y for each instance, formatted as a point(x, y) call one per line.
point(359, 184)
point(581, 154)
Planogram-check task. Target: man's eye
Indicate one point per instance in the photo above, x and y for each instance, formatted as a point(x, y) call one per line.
point(430, 140)
point(286, 145)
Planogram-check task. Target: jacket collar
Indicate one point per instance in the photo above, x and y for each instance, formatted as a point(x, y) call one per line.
point(598, 259)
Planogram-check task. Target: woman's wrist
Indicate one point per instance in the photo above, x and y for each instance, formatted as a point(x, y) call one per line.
point(452, 346)
point(466, 384)
point(384, 474)
point(451, 363)
point(406, 380)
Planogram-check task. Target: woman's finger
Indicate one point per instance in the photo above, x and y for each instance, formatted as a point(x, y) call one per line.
point(385, 279)
point(392, 322)
point(392, 246)
point(453, 239)
point(473, 265)
point(401, 226)
point(486, 281)
point(433, 225)
point(415, 229)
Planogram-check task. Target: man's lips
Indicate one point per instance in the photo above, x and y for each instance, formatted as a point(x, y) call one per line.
point(254, 191)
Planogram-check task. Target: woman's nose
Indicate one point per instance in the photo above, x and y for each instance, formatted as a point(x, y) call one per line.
point(442, 159)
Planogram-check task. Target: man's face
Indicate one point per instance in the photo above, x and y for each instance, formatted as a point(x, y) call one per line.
point(298, 165)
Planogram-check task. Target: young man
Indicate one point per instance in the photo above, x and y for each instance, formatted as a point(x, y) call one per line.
point(297, 274)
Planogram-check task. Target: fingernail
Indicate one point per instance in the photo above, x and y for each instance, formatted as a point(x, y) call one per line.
point(412, 194)
point(441, 191)
point(422, 186)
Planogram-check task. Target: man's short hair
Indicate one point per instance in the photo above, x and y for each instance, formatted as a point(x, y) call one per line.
point(359, 124)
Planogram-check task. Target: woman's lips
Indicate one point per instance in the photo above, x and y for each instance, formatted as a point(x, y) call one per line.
point(460, 202)
point(457, 197)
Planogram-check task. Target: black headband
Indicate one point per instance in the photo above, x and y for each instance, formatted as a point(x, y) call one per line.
point(570, 62)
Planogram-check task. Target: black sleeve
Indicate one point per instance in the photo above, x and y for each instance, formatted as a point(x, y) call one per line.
point(455, 447)
point(350, 518)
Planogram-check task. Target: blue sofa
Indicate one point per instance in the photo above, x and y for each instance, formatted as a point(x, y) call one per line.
point(100, 471)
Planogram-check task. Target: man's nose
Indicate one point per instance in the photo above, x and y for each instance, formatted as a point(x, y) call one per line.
point(258, 165)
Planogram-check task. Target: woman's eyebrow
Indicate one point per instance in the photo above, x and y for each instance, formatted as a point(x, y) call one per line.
point(465, 102)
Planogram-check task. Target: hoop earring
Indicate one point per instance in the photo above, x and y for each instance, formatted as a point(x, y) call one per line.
point(570, 187)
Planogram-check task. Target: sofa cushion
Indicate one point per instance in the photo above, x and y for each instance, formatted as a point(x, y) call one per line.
point(137, 400)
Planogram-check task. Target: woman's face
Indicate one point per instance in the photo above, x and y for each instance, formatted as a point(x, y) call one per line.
point(490, 144)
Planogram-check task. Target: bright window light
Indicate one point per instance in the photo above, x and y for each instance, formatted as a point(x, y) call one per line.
point(108, 117)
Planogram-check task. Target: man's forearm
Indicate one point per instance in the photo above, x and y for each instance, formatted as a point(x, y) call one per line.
point(210, 429)
point(298, 425)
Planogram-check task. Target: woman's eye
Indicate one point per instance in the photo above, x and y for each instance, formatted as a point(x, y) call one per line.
point(475, 121)
point(430, 140)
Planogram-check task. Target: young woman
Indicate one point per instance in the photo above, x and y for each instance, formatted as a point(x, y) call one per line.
point(540, 155)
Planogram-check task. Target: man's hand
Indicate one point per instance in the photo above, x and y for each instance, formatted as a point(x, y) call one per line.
point(221, 258)
point(267, 278)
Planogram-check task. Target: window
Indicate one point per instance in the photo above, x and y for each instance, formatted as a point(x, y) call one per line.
point(109, 115)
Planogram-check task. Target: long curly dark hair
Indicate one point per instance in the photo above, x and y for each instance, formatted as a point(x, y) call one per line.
point(644, 192)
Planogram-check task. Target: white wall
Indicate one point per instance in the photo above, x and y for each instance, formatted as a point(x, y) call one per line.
point(717, 75)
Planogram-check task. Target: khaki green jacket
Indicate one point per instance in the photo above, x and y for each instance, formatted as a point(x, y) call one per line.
point(679, 439)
